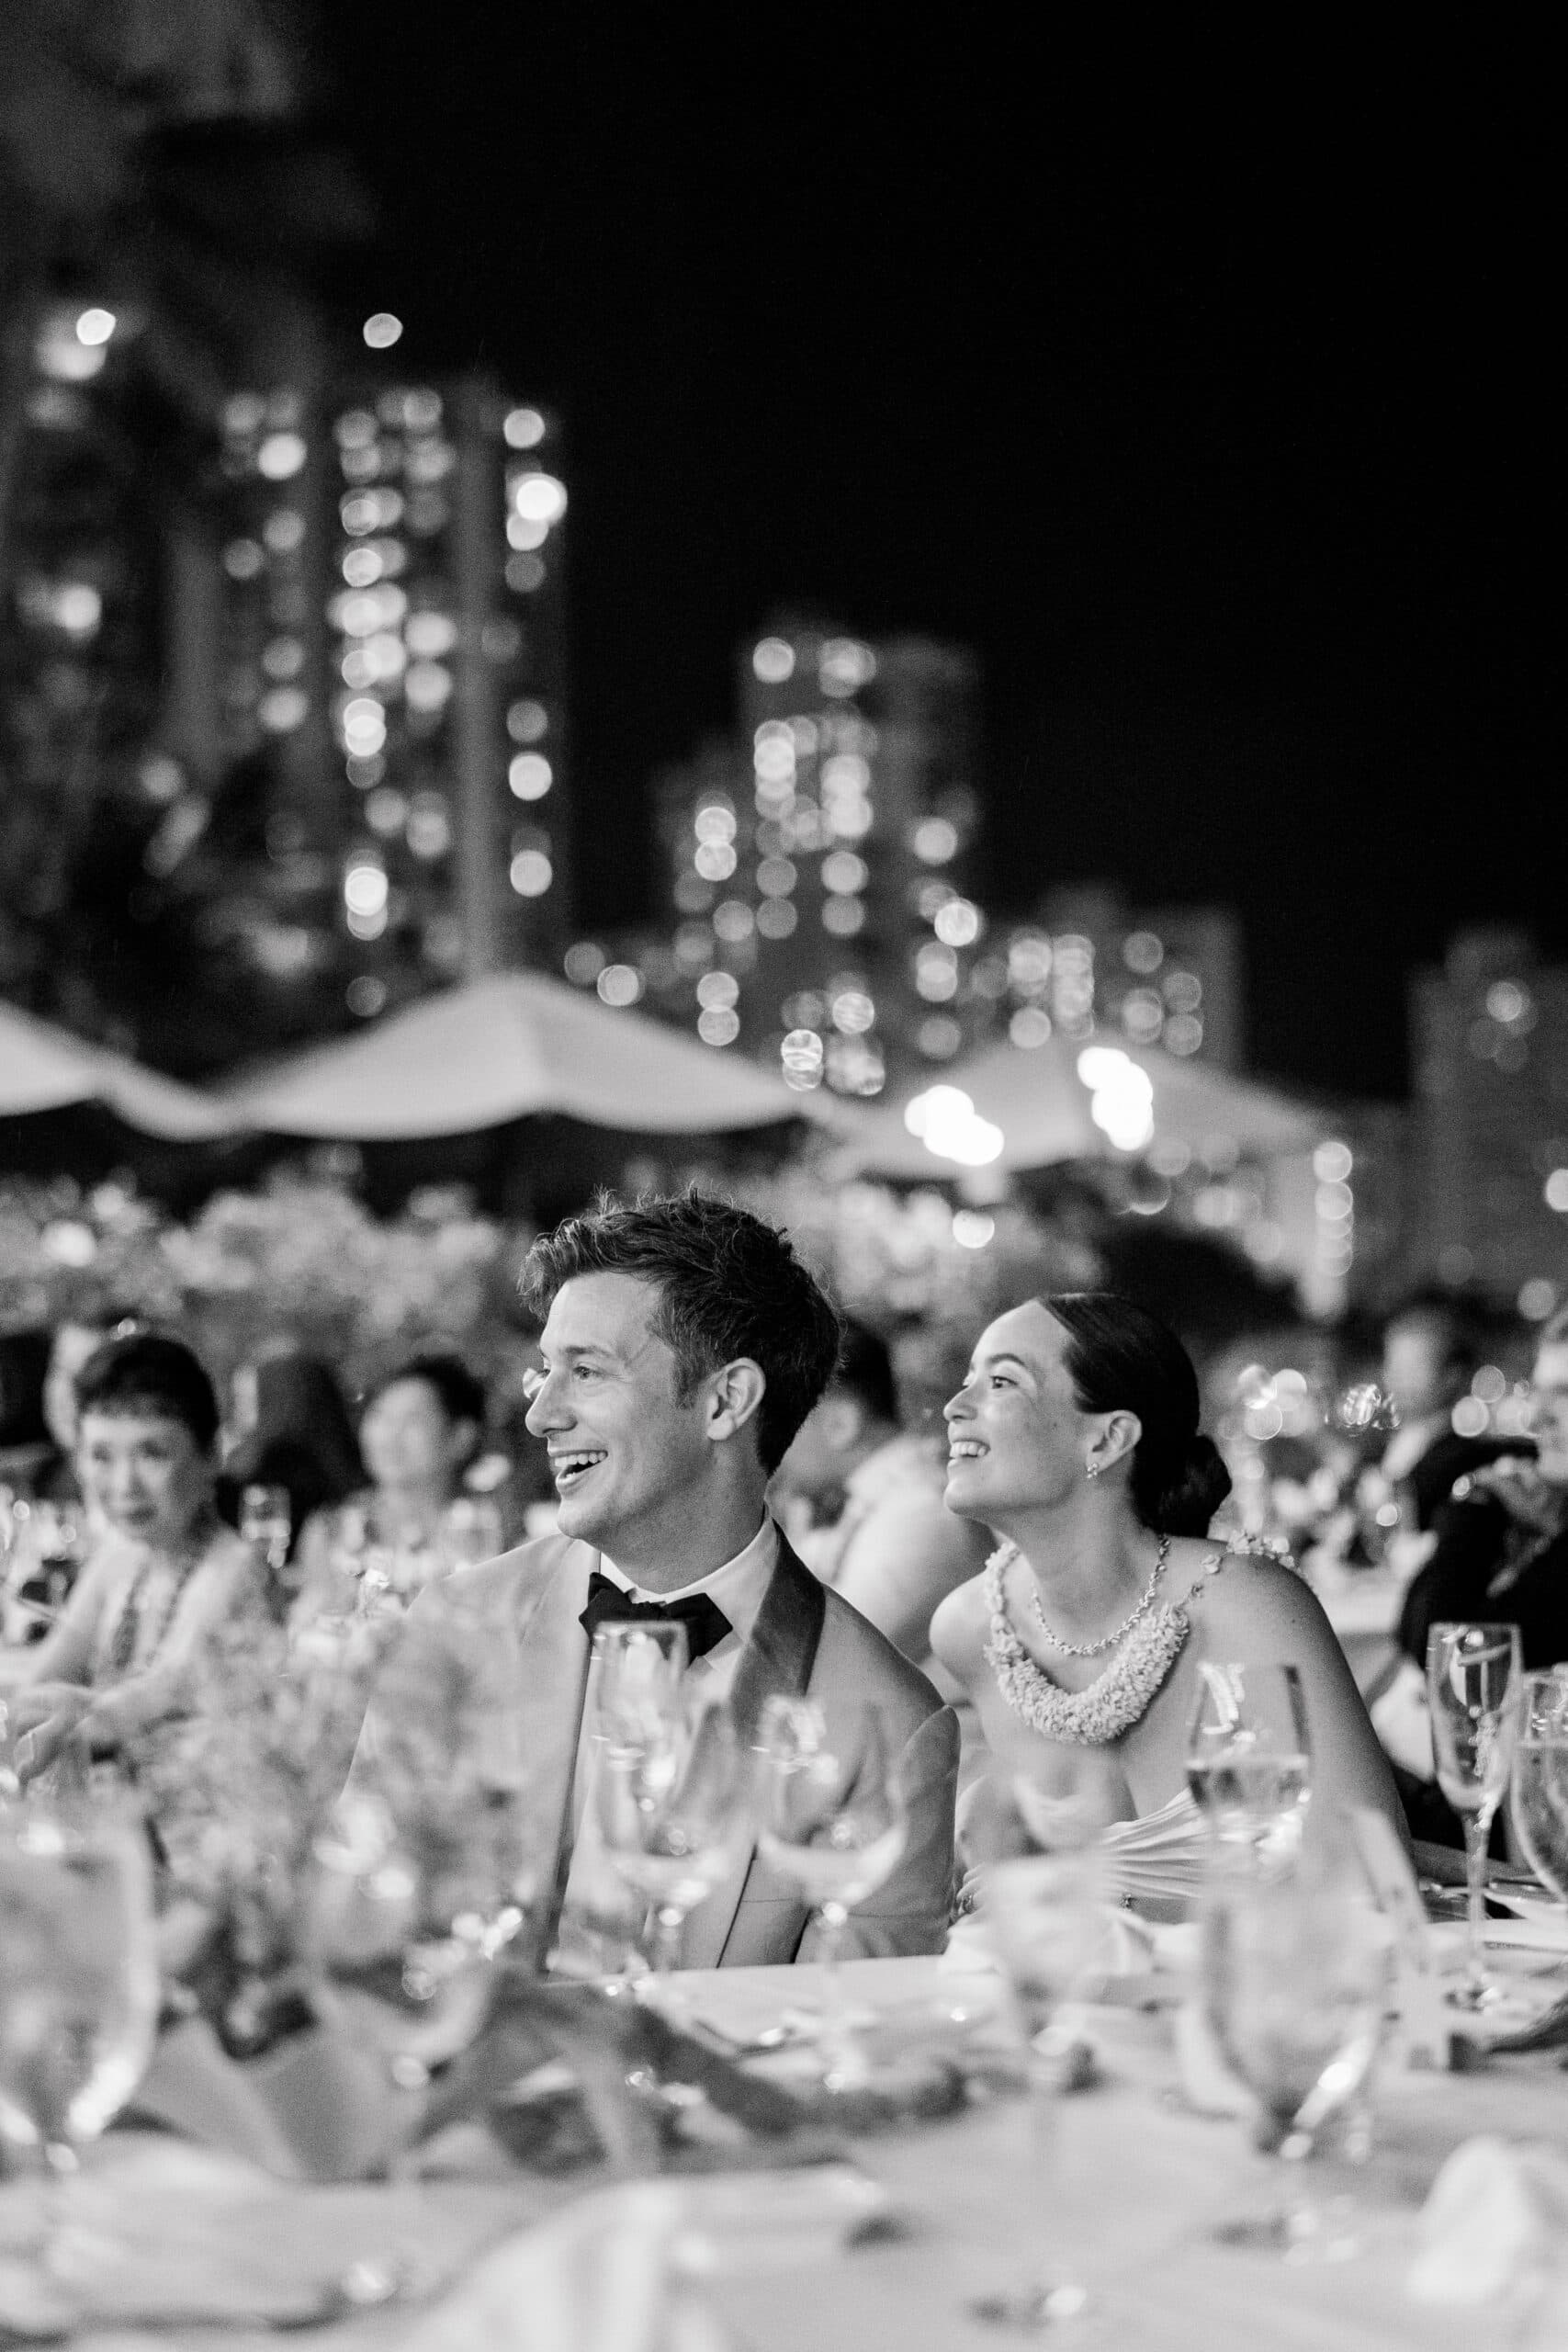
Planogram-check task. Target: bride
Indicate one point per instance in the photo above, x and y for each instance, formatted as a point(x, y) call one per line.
point(1074, 1437)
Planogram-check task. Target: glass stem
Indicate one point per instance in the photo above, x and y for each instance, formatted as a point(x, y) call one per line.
point(846, 2061)
point(667, 1923)
point(1477, 1833)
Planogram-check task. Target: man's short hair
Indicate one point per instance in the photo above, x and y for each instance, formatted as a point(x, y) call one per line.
point(728, 1285)
point(151, 1372)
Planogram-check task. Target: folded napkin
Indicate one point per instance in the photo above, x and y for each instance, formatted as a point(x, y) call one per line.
point(622, 2270)
point(157, 2234)
point(1494, 2230)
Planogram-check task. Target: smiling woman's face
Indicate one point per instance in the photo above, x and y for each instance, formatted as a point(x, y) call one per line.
point(1016, 1437)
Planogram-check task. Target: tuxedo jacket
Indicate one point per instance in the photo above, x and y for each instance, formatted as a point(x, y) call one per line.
point(805, 1643)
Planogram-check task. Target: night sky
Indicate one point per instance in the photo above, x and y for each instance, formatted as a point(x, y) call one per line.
point(1226, 429)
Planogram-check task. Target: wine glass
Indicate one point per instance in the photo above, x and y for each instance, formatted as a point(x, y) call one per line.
point(1473, 1685)
point(832, 1826)
point(1539, 1792)
point(1295, 1963)
point(470, 1531)
point(1250, 1755)
point(635, 1676)
point(1049, 1925)
point(673, 1813)
point(78, 1977)
point(266, 1521)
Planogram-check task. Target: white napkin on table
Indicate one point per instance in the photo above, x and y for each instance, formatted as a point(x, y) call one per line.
point(1495, 2230)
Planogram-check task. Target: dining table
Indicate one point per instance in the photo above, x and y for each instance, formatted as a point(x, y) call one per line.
point(892, 2240)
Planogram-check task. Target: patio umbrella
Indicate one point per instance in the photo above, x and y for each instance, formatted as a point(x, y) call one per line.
point(500, 1049)
point(1035, 1106)
point(45, 1069)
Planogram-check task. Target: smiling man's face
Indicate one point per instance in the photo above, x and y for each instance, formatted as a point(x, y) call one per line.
point(628, 1456)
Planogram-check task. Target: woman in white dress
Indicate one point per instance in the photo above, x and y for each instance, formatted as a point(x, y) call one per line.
point(1074, 1437)
point(124, 1655)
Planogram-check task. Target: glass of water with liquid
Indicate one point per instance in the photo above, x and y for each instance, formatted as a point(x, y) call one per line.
point(1249, 1755)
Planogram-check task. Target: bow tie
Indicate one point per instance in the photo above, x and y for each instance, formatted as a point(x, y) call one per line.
point(609, 1604)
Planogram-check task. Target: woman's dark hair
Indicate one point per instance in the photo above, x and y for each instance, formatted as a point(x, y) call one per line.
point(303, 1438)
point(1122, 1359)
point(24, 1359)
point(147, 1372)
point(460, 1393)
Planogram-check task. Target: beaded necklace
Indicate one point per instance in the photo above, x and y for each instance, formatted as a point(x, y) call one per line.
point(1107, 1641)
point(1152, 1640)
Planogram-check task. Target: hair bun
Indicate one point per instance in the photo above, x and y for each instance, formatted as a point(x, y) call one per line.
point(1185, 1489)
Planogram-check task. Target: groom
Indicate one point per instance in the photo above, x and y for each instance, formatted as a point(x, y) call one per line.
point(683, 1344)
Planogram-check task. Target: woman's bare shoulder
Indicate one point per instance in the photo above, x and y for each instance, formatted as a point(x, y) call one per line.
point(961, 1626)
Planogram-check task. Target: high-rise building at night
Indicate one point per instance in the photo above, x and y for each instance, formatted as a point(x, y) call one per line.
point(814, 865)
point(1490, 1050)
point(380, 627)
point(1170, 977)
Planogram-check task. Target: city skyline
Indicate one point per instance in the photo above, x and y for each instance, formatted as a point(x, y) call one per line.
point(1231, 470)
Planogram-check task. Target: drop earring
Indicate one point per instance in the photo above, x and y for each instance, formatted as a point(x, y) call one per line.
point(1091, 1470)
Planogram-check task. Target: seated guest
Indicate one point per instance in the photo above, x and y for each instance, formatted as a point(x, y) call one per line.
point(1428, 1360)
point(421, 1427)
point(1076, 1437)
point(893, 1550)
point(1502, 1547)
point(683, 1344)
point(296, 1435)
point(158, 1582)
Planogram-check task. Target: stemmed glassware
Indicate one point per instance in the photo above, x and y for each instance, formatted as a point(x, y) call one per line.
point(1539, 1792)
point(1045, 1917)
point(833, 1826)
point(1296, 1960)
point(1473, 1684)
point(1250, 1755)
point(78, 1976)
point(266, 1520)
point(672, 1809)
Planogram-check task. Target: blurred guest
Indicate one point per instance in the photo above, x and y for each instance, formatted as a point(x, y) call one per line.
point(421, 1429)
point(1502, 1540)
point(296, 1434)
point(163, 1578)
point(70, 1344)
point(1429, 1358)
point(890, 1546)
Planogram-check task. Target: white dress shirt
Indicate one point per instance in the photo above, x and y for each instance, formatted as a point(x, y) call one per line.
point(738, 1589)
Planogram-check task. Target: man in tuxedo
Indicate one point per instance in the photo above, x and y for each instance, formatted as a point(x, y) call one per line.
point(683, 1344)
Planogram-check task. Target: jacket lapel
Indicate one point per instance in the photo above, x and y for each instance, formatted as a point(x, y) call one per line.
point(777, 1659)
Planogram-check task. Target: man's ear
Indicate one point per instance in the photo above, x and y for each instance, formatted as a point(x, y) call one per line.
point(735, 1394)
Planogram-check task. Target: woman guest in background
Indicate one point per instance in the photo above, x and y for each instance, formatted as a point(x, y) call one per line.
point(1076, 1437)
point(163, 1580)
point(422, 1427)
point(296, 1433)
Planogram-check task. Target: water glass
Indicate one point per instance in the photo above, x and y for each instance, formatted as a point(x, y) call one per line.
point(673, 1812)
point(1473, 1685)
point(1295, 1966)
point(1049, 1923)
point(78, 1969)
point(833, 1826)
point(1250, 1755)
point(1539, 1801)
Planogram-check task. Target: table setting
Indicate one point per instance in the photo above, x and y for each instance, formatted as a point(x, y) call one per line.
point(1319, 2112)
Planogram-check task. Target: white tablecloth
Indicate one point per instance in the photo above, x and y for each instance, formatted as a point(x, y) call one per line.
point(1138, 2184)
